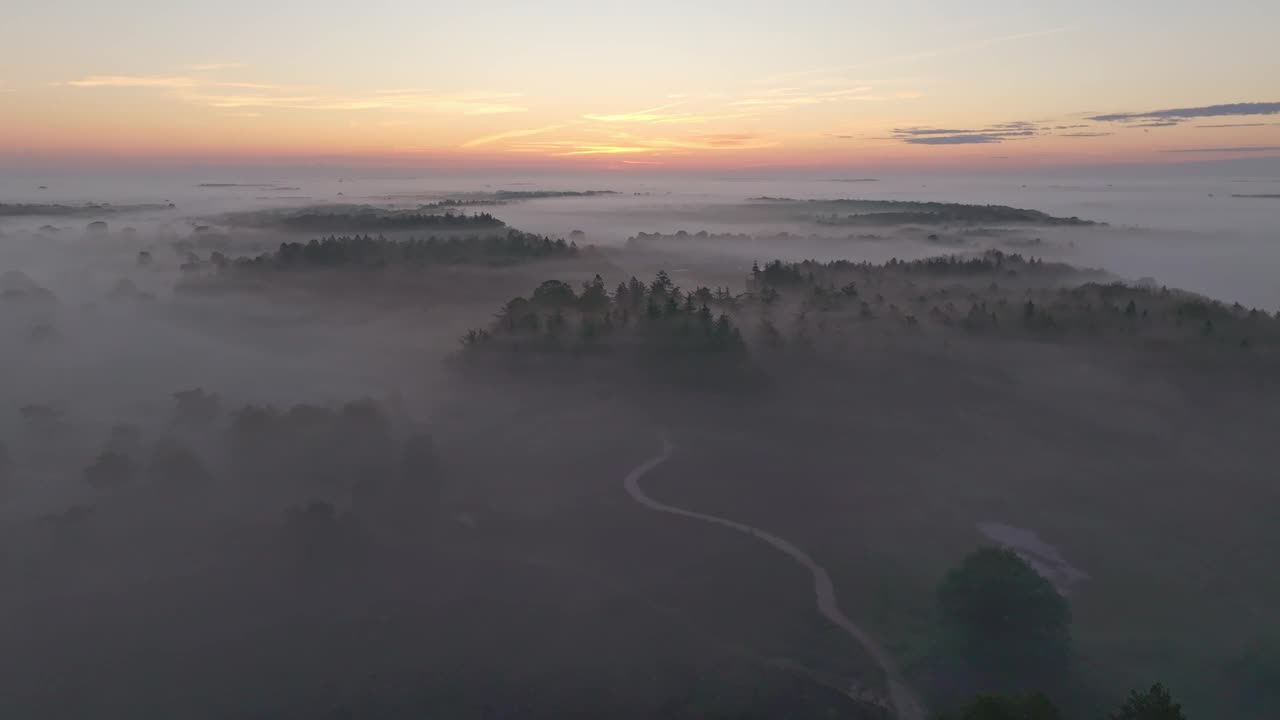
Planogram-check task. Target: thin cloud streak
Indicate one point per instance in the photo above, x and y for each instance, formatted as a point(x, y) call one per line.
point(605, 150)
point(952, 140)
point(485, 140)
point(134, 81)
point(787, 97)
point(267, 96)
point(649, 115)
point(951, 136)
point(1177, 115)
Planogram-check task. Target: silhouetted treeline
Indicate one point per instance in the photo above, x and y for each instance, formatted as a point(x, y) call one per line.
point(1006, 293)
point(366, 251)
point(362, 219)
point(848, 211)
point(53, 209)
point(371, 221)
point(904, 212)
point(452, 203)
point(657, 323)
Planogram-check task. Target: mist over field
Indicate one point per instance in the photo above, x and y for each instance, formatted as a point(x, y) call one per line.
point(1207, 230)
point(323, 445)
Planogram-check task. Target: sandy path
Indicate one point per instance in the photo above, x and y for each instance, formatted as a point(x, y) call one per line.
point(905, 703)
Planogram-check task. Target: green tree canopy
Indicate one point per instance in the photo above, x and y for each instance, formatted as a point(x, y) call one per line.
point(554, 293)
point(1152, 704)
point(1004, 622)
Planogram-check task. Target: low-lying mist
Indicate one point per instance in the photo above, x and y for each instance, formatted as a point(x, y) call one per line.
point(326, 448)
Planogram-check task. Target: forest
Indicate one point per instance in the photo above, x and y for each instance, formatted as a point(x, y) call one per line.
point(361, 219)
point(903, 212)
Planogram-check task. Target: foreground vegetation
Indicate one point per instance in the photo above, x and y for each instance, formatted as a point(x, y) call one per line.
point(260, 553)
point(1005, 629)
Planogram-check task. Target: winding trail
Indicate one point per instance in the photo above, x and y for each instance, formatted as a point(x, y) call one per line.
point(905, 703)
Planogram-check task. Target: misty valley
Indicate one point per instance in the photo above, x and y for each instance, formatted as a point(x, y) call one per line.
point(283, 450)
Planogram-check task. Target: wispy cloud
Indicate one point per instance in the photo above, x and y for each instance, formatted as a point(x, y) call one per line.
point(455, 104)
point(783, 98)
point(1085, 134)
point(134, 81)
point(252, 95)
point(928, 131)
point(976, 139)
point(954, 136)
point(1245, 149)
point(722, 141)
point(606, 150)
point(486, 139)
point(625, 144)
point(1232, 125)
point(1174, 116)
point(656, 116)
point(653, 114)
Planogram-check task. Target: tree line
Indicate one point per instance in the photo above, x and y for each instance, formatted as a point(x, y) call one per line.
point(368, 251)
point(656, 323)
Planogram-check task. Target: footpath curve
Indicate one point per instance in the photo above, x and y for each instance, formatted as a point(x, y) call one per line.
point(905, 704)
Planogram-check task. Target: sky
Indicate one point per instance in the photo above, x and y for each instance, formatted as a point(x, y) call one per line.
point(641, 84)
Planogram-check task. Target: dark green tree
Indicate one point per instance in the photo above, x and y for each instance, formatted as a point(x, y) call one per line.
point(635, 291)
point(661, 282)
point(554, 293)
point(595, 298)
point(1153, 704)
point(1003, 624)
